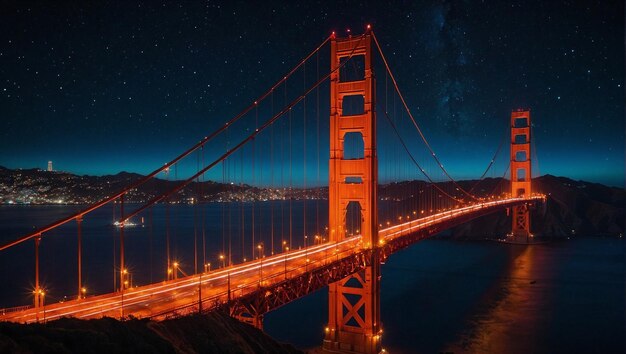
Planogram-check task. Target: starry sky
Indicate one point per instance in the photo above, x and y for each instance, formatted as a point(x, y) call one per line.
point(109, 86)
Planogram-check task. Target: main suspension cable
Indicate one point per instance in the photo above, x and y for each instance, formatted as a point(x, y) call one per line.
point(250, 137)
point(415, 161)
point(141, 181)
point(493, 159)
point(406, 107)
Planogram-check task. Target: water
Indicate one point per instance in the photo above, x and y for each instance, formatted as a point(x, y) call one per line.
point(488, 297)
point(145, 243)
point(437, 296)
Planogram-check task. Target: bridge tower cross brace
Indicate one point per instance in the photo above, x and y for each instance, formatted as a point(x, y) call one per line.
point(520, 170)
point(354, 303)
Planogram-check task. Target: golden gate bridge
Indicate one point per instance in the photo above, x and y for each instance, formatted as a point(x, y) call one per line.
point(256, 272)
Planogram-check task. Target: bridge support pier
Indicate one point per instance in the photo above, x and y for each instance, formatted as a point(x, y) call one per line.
point(520, 174)
point(354, 303)
point(354, 326)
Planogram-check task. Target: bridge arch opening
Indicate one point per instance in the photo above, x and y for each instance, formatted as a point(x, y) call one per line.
point(354, 219)
point(521, 156)
point(354, 180)
point(520, 122)
point(520, 139)
point(353, 68)
point(353, 146)
point(521, 174)
point(352, 105)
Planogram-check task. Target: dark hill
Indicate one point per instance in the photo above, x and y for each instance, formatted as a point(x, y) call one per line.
point(572, 208)
point(584, 207)
point(212, 333)
point(35, 186)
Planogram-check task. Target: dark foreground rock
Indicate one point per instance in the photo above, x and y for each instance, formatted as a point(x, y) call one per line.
point(212, 333)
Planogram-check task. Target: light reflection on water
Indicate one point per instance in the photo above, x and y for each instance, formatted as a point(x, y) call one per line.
point(488, 297)
point(511, 316)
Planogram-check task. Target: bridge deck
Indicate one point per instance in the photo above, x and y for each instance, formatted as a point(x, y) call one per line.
point(243, 280)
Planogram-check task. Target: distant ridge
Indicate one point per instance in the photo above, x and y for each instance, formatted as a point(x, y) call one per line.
point(573, 207)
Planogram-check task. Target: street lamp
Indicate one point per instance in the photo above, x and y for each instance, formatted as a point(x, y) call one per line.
point(306, 254)
point(285, 251)
point(200, 291)
point(43, 303)
point(207, 266)
point(83, 291)
point(223, 260)
point(175, 264)
point(260, 248)
point(124, 278)
point(39, 302)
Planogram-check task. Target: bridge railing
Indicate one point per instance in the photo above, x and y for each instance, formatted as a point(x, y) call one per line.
point(265, 283)
point(407, 227)
point(8, 310)
point(332, 254)
point(270, 269)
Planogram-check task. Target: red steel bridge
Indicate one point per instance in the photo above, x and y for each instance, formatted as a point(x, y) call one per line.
point(254, 274)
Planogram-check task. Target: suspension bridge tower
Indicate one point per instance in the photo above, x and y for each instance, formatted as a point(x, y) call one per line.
point(354, 305)
point(520, 172)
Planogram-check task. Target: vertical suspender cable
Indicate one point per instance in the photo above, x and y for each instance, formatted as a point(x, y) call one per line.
point(406, 107)
point(304, 155)
point(317, 112)
point(203, 211)
point(290, 185)
point(114, 250)
point(272, 200)
point(256, 123)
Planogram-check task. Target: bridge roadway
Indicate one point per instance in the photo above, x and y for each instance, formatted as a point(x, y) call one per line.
point(222, 285)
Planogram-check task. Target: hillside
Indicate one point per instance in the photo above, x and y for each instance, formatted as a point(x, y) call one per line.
point(36, 186)
point(572, 208)
point(212, 333)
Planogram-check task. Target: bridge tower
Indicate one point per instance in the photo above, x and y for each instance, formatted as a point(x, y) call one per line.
point(520, 171)
point(353, 306)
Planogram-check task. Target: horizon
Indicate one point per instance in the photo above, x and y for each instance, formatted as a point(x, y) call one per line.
point(310, 186)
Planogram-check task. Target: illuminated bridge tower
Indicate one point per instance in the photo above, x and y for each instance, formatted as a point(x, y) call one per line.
point(354, 306)
point(520, 171)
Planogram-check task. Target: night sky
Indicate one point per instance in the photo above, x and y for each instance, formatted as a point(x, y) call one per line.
point(102, 87)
